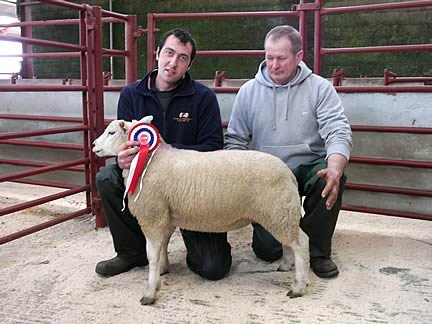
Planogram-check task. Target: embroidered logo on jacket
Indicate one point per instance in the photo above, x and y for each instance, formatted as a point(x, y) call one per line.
point(183, 117)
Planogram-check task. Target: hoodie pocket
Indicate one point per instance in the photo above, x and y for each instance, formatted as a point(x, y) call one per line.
point(292, 155)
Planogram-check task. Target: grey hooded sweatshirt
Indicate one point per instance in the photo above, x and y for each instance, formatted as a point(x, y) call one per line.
point(297, 122)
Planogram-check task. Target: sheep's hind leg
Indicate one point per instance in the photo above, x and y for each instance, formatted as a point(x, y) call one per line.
point(153, 255)
point(300, 248)
point(163, 261)
point(288, 261)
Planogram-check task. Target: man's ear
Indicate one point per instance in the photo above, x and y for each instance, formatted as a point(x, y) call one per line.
point(299, 56)
point(157, 53)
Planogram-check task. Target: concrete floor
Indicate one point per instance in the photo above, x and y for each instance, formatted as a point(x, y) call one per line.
point(48, 277)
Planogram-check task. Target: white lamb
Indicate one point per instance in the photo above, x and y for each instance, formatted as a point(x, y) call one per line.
point(212, 192)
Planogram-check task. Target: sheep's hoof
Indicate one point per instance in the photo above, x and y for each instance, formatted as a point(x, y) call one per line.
point(284, 267)
point(293, 294)
point(147, 300)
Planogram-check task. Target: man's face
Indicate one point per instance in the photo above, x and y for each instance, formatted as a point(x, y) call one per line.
point(280, 61)
point(173, 62)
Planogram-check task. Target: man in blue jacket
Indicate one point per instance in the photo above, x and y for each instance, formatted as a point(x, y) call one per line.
point(297, 116)
point(187, 116)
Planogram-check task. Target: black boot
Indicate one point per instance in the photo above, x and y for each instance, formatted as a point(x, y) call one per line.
point(120, 264)
point(324, 267)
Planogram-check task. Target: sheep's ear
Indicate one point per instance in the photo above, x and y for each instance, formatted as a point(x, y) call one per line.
point(122, 125)
point(126, 126)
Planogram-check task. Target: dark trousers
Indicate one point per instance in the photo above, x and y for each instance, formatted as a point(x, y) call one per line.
point(318, 222)
point(208, 254)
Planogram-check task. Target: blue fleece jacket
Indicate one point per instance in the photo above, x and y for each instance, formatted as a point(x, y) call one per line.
point(191, 121)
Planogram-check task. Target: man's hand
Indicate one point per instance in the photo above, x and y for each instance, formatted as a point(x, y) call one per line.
point(335, 165)
point(128, 150)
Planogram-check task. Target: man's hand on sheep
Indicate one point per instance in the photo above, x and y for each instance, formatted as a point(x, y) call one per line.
point(128, 150)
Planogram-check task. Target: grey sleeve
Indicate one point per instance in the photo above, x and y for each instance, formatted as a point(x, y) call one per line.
point(333, 124)
point(237, 136)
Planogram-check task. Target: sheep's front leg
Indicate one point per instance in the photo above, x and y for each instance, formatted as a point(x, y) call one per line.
point(153, 248)
point(164, 263)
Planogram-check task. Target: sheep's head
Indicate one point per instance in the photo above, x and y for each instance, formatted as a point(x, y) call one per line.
point(116, 133)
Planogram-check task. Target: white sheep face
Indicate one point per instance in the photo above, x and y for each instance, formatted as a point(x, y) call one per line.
point(108, 144)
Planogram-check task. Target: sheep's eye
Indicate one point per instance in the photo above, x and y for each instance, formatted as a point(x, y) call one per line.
point(111, 133)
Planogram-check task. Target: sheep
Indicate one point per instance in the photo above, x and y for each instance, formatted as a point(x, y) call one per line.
point(212, 192)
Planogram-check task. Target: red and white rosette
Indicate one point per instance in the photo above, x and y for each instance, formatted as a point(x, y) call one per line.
point(149, 139)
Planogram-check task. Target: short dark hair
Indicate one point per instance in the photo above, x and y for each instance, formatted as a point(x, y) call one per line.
point(183, 35)
point(289, 32)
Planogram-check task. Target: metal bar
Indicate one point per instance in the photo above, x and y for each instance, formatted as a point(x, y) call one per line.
point(387, 212)
point(317, 40)
point(212, 15)
point(42, 226)
point(65, 4)
point(56, 22)
point(84, 96)
point(39, 88)
point(42, 200)
point(26, 31)
point(386, 189)
point(119, 16)
point(131, 49)
point(44, 118)
point(231, 53)
point(303, 32)
point(46, 184)
point(392, 162)
point(52, 167)
point(376, 7)
point(58, 130)
point(35, 164)
point(43, 55)
point(384, 89)
point(41, 42)
point(114, 52)
point(391, 129)
point(377, 49)
point(150, 41)
point(74, 147)
point(225, 89)
point(410, 79)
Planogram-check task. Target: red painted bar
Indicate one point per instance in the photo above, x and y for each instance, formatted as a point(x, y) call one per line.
point(42, 200)
point(44, 118)
point(41, 42)
point(384, 89)
point(47, 184)
point(74, 147)
point(377, 49)
point(225, 89)
point(119, 16)
point(231, 53)
point(391, 129)
point(393, 162)
point(151, 26)
point(39, 88)
point(52, 167)
point(410, 79)
point(317, 41)
point(45, 225)
point(36, 164)
point(43, 55)
point(59, 130)
point(210, 15)
point(113, 52)
point(387, 212)
point(386, 189)
point(376, 7)
point(65, 4)
point(56, 22)
point(131, 50)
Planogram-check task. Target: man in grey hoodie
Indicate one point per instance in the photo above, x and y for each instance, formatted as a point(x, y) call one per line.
point(296, 115)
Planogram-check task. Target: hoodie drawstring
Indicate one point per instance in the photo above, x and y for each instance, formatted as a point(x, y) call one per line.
point(287, 104)
point(274, 107)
